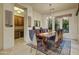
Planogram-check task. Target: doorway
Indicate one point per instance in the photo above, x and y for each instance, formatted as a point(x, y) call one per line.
point(18, 25)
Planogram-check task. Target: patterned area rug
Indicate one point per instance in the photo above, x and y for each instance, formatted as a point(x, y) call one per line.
point(64, 49)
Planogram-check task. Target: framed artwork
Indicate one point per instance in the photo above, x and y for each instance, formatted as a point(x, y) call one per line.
point(29, 21)
point(36, 23)
point(8, 18)
point(39, 23)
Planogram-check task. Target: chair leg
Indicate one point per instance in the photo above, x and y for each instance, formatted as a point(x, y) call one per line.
point(31, 50)
point(36, 51)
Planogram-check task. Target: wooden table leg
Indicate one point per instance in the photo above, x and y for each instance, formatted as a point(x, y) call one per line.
point(44, 41)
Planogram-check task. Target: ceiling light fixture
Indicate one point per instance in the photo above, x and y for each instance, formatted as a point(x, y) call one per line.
point(16, 8)
point(51, 12)
point(19, 10)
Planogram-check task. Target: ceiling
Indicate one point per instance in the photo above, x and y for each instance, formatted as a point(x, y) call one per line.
point(44, 8)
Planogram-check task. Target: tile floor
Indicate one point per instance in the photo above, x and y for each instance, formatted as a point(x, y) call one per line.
point(74, 47)
point(21, 48)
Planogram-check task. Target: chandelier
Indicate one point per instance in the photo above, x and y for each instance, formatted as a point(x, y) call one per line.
point(51, 11)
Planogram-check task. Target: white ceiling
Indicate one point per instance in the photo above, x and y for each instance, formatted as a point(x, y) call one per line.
point(44, 7)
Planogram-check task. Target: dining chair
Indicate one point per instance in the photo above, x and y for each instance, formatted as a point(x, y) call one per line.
point(57, 39)
point(41, 43)
point(38, 40)
point(51, 41)
point(61, 33)
point(31, 36)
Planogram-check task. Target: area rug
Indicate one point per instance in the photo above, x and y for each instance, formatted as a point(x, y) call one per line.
point(64, 49)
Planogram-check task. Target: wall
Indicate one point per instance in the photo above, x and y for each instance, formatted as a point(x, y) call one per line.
point(78, 26)
point(37, 16)
point(72, 22)
point(8, 40)
point(1, 26)
point(45, 21)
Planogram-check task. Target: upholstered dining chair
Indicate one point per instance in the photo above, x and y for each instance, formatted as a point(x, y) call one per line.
point(31, 36)
point(61, 34)
point(57, 39)
point(38, 39)
point(51, 41)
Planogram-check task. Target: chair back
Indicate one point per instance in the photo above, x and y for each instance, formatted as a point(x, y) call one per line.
point(61, 33)
point(31, 34)
point(58, 38)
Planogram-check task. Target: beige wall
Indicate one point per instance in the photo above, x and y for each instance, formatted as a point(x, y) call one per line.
point(1, 26)
point(78, 26)
point(8, 40)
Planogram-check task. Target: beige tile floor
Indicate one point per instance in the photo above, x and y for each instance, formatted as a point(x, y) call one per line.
point(21, 48)
point(74, 47)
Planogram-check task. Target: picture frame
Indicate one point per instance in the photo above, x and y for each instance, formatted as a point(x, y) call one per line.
point(36, 23)
point(8, 18)
point(29, 21)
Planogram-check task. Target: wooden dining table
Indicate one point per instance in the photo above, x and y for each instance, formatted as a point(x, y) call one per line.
point(46, 34)
point(45, 37)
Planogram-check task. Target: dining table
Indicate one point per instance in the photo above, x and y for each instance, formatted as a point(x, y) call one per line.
point(46, 34)
point(45, 39)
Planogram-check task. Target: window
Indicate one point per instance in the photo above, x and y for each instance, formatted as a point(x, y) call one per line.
point(66, 25)
point(50, 24)
point(62, 23)
point(57, 25)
